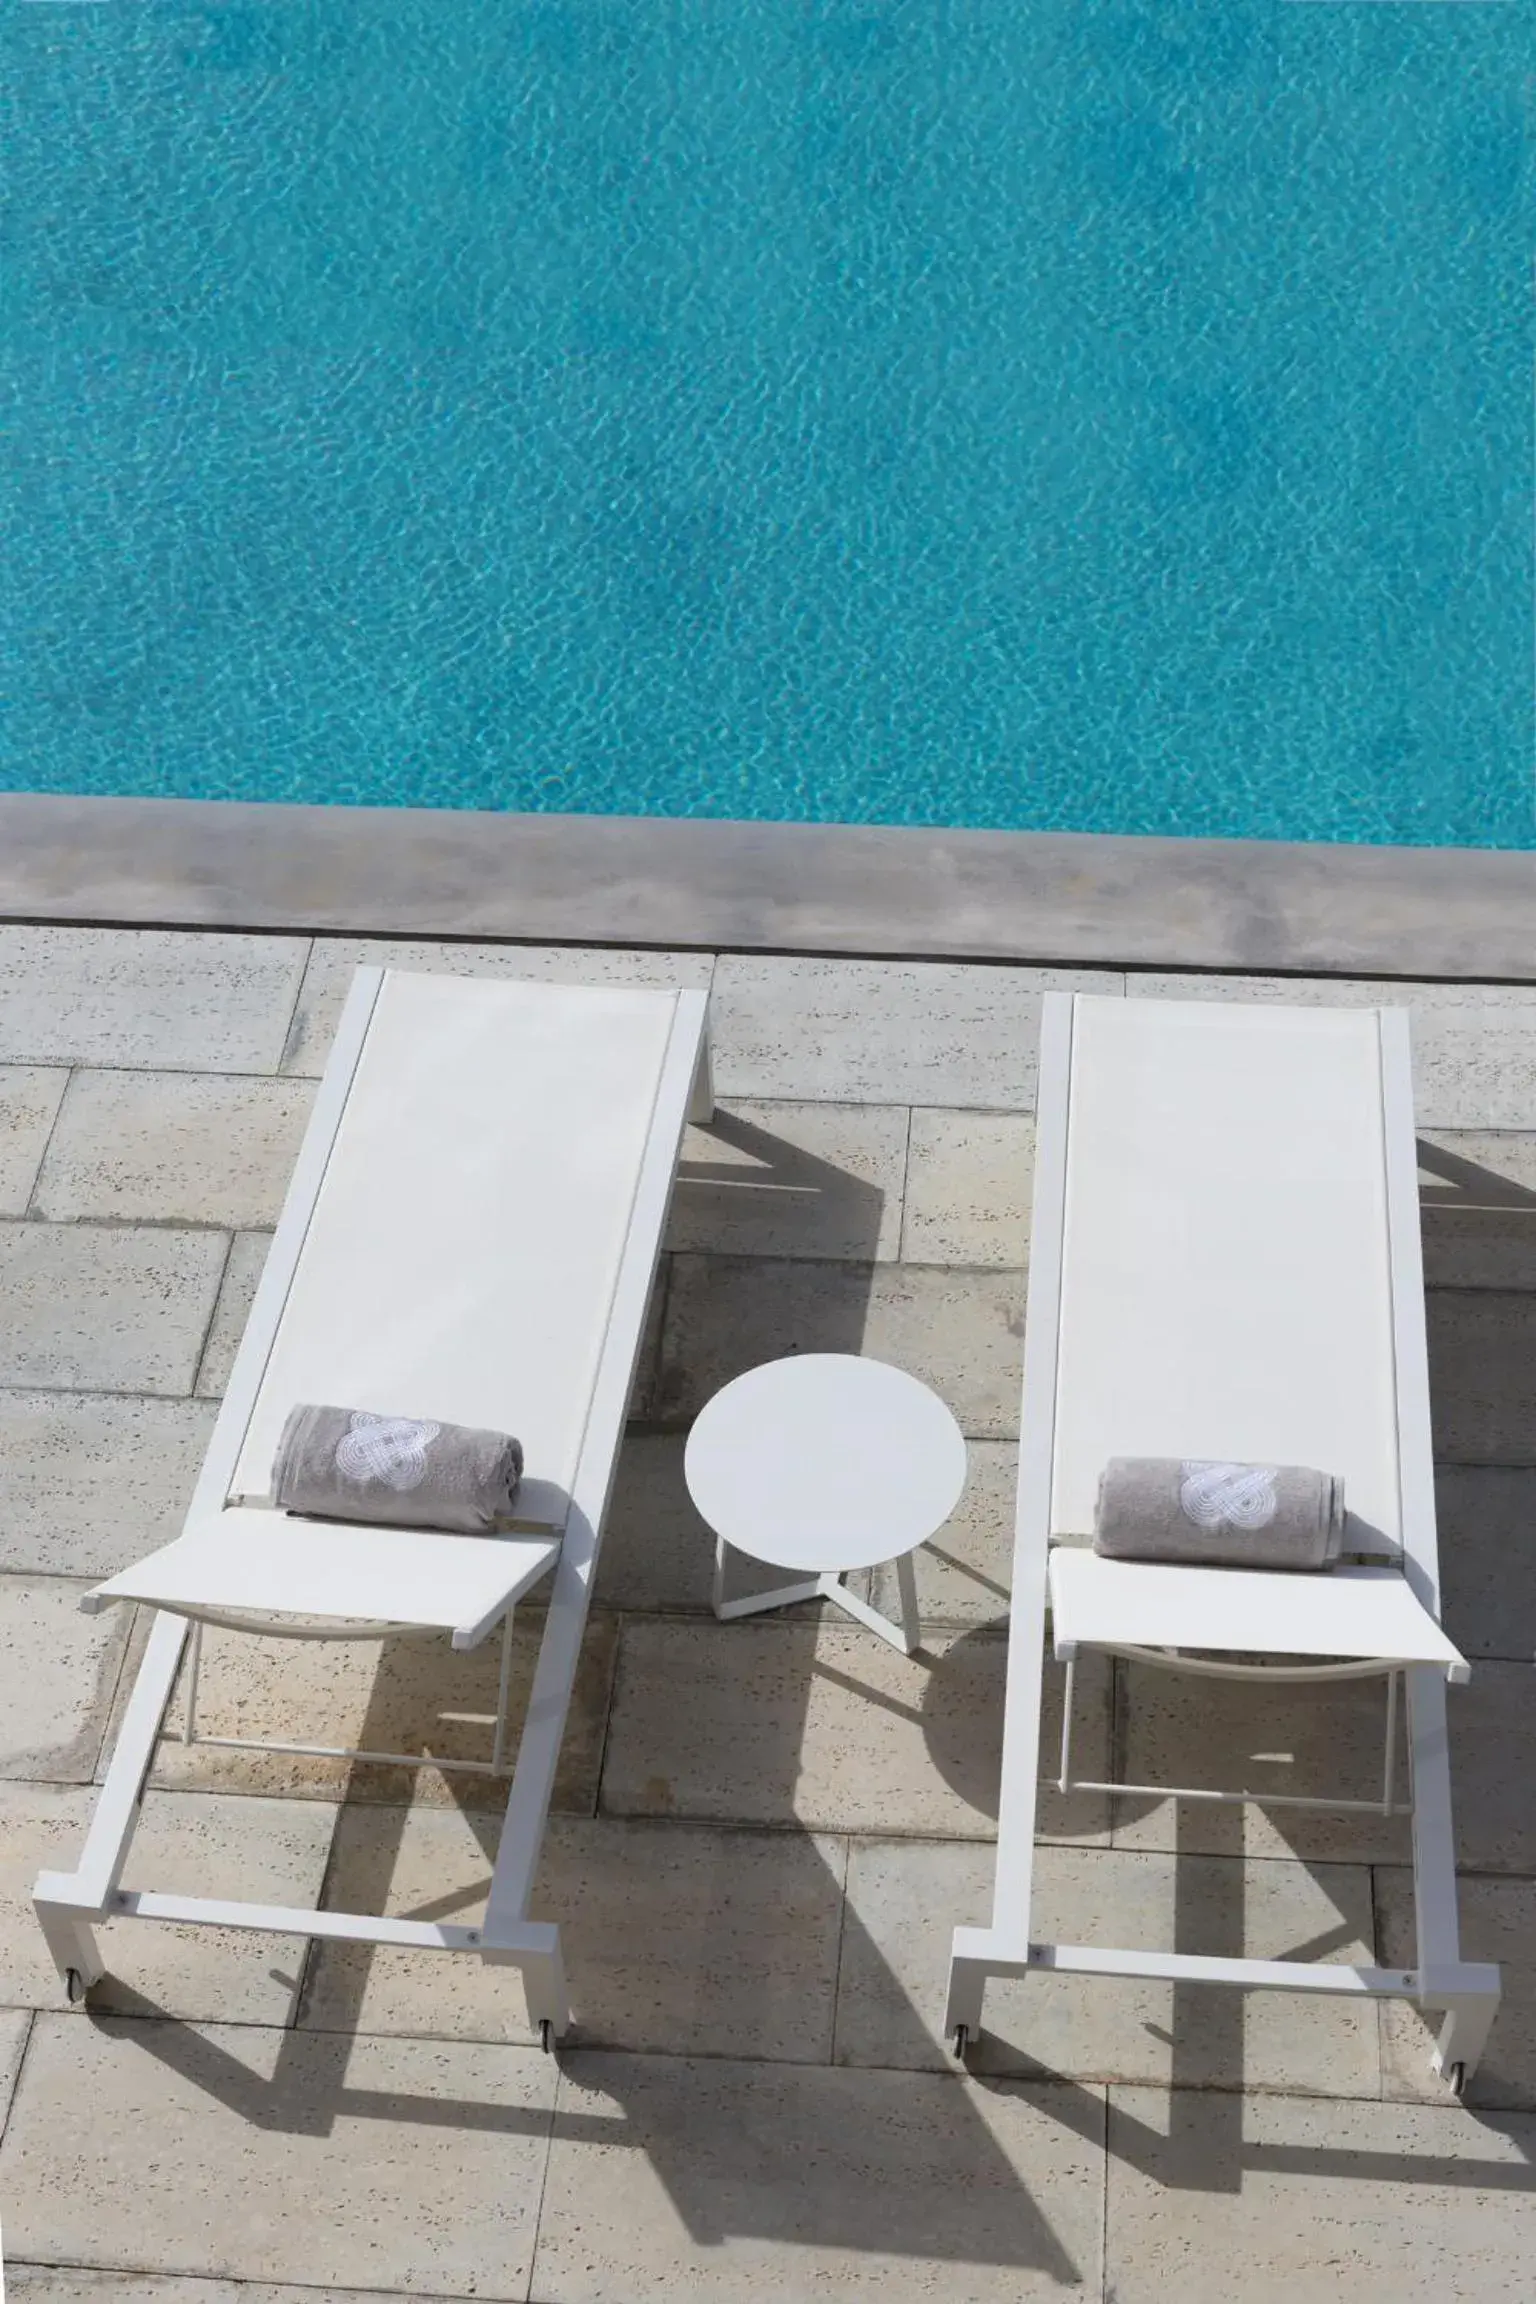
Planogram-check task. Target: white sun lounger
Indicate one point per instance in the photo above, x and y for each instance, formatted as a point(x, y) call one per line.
point(1225, 1264)
point(471, 1234)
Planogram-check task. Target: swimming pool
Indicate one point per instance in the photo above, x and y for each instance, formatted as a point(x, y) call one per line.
point(1078, 413)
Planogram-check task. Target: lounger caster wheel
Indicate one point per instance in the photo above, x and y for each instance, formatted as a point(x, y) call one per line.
point(1458, 2079)
point(546, 2035)
point(74, 1987)
point(962, 2040)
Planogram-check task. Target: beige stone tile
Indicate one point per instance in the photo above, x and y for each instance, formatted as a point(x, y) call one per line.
point(190, 1844)
point(1477, 1197)
point(905, 1897)
point(1482, 1375)
point(15, 2025)
point(959, 1332)
point(1487, 1520)
point(174, 1147)
point(1281, 2200)
point(90, 1482)
point(731, 2181)
point(401, 1695)
point(657, 1552)
point(1474, 1045)
point(58, 1671)
point(237, 1290)
point(970, 1176)
point(1492, 1726)
point(965, 1572)
point(57, 2284)
point(334, 960)
point(147, 996)
point(819, 1180)
point(95, 1307)
point(1317, 1742)
point(679, 1938)
point(30, 1095)
point(236, 2150)
point(884, 1031)
point(785, 1721)
point(1498, 1922)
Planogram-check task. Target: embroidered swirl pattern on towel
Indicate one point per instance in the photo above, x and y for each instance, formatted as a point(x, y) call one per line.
point(389, 1448)
point(1229, 1495)
point(1218, 1513)
point(396, 1471)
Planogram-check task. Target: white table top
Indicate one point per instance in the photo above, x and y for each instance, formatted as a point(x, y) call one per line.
point(825, 1461)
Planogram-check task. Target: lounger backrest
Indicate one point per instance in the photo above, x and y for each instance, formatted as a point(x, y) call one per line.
point(461, 1257)
point(1227, 1275)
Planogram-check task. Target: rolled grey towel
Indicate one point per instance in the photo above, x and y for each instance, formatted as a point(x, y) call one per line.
point(346, 1464)
point(1222, 1515)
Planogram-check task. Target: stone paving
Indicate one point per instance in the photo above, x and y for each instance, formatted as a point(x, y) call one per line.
point(763, 1831)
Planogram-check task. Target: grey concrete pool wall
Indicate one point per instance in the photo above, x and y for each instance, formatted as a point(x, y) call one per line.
point(1044, 898)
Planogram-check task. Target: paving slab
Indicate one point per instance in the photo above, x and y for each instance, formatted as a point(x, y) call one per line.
point(30, 1095)
point(335, 959)
point(885, 1031)
point(679, 1938)
point(58, 1672)
point(722, 2180)
point(56, 2284)
point(1487, 1524)
point(186, 1844)
point(106, 1308)
point(1474, 1045)
point(1492, 1728)
point(959, 1332)
point(825, 1726)
point(237, 1291)
point(1498, 1922)
point(970, 1178)
point(147, 996)
point(1325, 1740)
point(820, 1180)
point(15, 2027)
point(1318, 1742)
point(658, 1554)
point(1279, 2199)
point(965, 1572)
point(408, 2166)
point(401, 1695)
point(91, 1481)
point(173, 1148)
point(906, 1896)
point(1482, 1375)
point(1477, 1199)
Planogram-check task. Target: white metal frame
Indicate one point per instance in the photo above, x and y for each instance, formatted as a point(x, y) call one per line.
point(1464, 1994)
point(68, 1905)
point(906, 1636)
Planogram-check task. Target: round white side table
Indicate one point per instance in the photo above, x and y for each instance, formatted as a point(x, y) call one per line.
point(826, 1462)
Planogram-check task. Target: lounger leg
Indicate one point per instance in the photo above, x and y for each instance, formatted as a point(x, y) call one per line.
point(544, 1984)
point(911, 1622)
point(1463, 2037)
point(499, 1741)
point(967, 1985)
point(72, 1944)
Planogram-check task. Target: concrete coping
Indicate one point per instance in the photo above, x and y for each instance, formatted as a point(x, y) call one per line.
point(1047, 898)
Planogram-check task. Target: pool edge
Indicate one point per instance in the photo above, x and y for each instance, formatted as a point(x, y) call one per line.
point(1072, 899)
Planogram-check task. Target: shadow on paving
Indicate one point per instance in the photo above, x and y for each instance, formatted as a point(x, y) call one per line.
point(756, 2177)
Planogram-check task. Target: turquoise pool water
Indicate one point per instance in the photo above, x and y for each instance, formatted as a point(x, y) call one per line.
point(1062, 413)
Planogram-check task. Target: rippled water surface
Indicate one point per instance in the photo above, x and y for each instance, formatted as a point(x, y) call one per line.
point(991, 412)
